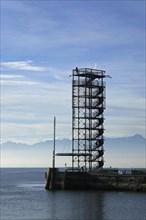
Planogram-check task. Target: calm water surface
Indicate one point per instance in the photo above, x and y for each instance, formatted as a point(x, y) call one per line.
point(23, 197)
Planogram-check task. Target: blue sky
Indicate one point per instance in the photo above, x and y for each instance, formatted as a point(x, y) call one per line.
point(42, 41)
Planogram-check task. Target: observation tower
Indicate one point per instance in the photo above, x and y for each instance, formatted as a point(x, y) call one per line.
point(88, 104)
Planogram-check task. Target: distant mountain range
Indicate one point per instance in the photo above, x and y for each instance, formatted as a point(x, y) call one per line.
point(119, 152)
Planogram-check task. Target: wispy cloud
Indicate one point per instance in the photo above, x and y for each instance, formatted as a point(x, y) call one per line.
point(15, 83)
point(15, 80)
point(23, 65)
point(29, 107)
point(10, 76)
point(51, 33)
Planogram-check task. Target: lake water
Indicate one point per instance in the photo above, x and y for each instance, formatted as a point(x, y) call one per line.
point(23, 197)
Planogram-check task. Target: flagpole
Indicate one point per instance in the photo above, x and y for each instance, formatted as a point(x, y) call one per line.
point(54, 142)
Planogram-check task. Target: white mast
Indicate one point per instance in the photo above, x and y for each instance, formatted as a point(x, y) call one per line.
point(54, 142)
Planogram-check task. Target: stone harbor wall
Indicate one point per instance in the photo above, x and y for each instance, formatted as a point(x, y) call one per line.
point(98, 181)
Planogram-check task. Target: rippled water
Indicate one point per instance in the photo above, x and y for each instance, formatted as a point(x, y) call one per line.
point(23, 196)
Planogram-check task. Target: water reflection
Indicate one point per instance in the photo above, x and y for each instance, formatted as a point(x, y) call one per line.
point(96, 205)
point(23, 196)
point(83, 205)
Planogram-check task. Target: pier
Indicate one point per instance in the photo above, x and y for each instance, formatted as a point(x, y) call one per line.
point(103, 180)
point(87, 172)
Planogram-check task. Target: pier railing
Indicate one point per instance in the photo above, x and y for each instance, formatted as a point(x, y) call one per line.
point(122, 171)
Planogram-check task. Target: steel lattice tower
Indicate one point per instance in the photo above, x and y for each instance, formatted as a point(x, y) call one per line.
point(88, 104)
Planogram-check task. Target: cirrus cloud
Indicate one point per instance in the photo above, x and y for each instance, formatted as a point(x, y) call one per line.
point(23, 65)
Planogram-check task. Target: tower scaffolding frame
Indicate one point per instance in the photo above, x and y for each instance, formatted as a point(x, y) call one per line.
point(88, 104)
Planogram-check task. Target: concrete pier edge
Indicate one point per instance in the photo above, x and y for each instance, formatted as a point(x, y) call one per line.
point(97, 181)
